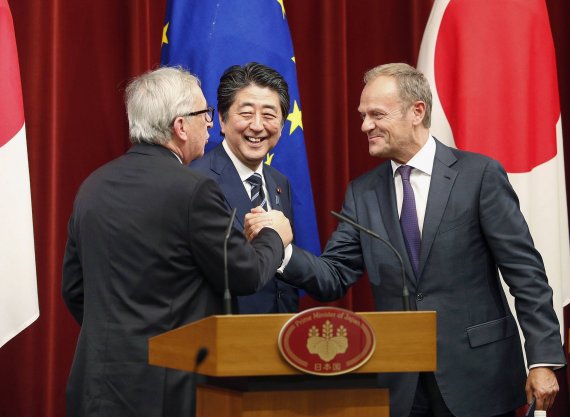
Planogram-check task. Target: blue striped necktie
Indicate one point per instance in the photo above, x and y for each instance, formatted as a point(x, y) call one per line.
point(257, 194)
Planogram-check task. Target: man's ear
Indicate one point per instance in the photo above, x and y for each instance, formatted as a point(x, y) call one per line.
point(419, 111)
point(222, 123)
point(179, 128)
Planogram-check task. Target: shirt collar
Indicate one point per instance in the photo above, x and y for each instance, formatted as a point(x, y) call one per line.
point(243, 171)
point(423, 160)
point(177, 157)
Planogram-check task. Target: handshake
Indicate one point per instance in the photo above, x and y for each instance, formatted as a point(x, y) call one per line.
point(275, 219)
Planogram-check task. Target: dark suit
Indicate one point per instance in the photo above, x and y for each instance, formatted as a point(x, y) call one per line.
point(276, 296)
point(144, 256)
point(472, 226)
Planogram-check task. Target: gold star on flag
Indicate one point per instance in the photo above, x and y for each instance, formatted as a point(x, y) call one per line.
point(293, 59)
point(295, 118)
point(269, 158)
point(282, 7)
point(164, 37)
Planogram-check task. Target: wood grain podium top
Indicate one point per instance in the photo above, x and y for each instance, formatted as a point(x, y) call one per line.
point(246, 345)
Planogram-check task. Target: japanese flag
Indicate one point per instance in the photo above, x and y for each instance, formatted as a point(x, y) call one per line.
point(18, 286)
point(492, 68)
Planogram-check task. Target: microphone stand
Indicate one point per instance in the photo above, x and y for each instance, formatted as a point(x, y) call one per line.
point(405, 291)
point(227, 295)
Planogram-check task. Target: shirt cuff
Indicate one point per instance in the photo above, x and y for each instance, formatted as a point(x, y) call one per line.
point(286, 258)
point(553, 366)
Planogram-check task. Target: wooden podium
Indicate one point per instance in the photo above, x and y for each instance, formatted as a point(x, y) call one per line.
point(249, 377)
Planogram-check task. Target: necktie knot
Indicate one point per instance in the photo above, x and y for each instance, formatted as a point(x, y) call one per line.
point(405, 171)
point(255, 180)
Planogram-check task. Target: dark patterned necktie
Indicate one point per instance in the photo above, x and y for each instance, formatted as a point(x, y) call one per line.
point(257, 194)
point(409, 219)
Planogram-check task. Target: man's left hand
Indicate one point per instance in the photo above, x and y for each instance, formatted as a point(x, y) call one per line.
point(541, 384)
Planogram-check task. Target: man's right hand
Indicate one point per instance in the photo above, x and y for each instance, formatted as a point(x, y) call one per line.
point(275, 219)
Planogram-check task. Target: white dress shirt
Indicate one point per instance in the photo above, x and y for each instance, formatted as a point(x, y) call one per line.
point(420, 179)
point(245, 172)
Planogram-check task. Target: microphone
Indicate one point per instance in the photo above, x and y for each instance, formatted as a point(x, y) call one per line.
point(405, 291)
point(200, 356)
point(227, 295)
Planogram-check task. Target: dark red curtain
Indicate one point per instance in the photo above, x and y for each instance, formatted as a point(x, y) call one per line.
point(76, 57)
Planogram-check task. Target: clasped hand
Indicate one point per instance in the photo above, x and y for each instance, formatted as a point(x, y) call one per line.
point(275, 219)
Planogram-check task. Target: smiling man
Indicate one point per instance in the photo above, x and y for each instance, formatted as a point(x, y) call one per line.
point(455, 220)
point(253, 101)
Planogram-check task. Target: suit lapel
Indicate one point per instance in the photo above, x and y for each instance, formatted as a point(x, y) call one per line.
point(386, 197)
point(442, 180)
point(231, 184)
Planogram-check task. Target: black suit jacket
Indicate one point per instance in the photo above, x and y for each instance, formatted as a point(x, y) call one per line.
point(276, 296)
point(472, 229)
point(144, 256)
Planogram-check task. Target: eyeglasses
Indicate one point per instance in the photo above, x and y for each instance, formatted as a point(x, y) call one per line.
point(208, 113)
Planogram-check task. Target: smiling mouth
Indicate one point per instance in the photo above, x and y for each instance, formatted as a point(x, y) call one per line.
point(375, 134)
point(252, 139)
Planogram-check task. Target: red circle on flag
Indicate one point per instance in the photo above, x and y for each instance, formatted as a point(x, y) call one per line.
point(495, 74)
point(11, 106)
point(326, 341)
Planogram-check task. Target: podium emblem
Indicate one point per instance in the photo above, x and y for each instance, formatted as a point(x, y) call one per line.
point(326, 341)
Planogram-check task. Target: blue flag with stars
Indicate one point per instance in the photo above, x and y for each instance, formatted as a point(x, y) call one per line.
point(206, 37)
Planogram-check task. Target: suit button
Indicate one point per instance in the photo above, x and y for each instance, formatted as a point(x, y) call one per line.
point(420, 296)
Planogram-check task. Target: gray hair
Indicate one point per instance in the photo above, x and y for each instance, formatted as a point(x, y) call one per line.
point(412, 85)
point(236, 78)
point(154, 99)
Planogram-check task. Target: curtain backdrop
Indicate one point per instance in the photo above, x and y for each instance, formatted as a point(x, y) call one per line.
point(75, 59)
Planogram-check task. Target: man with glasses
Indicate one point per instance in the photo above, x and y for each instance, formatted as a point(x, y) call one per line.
point(145, 253)
point(253, 102)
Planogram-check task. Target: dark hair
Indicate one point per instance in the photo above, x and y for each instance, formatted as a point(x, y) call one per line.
point(236, 78)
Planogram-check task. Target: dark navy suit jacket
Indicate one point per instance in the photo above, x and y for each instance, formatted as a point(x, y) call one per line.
point(276, 296)
point(473, 228)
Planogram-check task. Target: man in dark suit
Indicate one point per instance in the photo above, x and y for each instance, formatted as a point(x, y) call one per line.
point(456, 222)
point(145, 253)
point(253, 101)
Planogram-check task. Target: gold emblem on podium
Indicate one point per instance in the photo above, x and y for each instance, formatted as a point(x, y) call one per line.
point(327, 346)
point(326, 341)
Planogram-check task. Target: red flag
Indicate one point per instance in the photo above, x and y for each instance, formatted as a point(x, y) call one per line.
point(18, 285)
point(492, 68)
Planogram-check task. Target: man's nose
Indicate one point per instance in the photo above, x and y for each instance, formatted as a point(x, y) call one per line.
point(256, 122)
point(367, 124)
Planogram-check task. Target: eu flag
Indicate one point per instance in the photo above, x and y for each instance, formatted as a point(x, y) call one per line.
point(206, 37)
